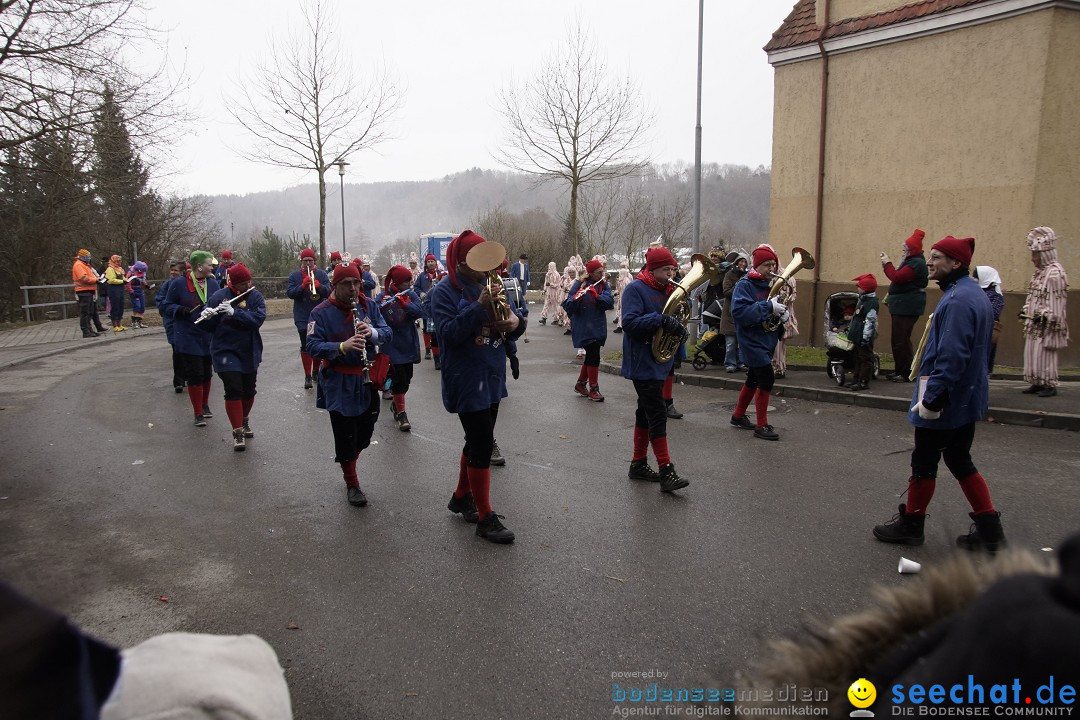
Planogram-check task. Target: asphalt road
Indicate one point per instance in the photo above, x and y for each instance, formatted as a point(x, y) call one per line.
point(111, 500)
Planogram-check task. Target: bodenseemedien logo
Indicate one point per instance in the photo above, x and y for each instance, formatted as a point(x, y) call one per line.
point(862, 695)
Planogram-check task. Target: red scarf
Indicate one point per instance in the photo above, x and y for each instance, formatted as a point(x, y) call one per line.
point(647, 277)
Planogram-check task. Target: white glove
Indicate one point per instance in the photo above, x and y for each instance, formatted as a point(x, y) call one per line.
point(784, 317)
point(102, 279)
point(884, 259)
point(208, 312)
point(778, 307)
point(227, 309)
point(925, 413)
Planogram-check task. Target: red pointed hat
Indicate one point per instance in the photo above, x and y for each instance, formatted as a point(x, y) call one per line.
point(307, 253)
point(238, 273)
point(335, 256)
point(345, 270)
point(763, 254)
point(592, 266)
point(396, 275)
point(957, 248)
point(656, 258)
point(867, 282)
point(458, 248)
point(914, 243)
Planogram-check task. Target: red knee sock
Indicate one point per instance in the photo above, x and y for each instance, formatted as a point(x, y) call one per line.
point(247, 404)
point(480, 482)
point(594, 375)
point(348, 471)
point(583, 374)
point(659, 448)
point(235, 410)
point(399, 402)
point(194, 393)
point(667, 386)
point(435, 351)
point(745, 396)
point(427, 341)
point(316, 363)
point(641, 443)
point(305, 360)
point(761, 406)
point(977, 494)
point(920, 491)
point(462, 478)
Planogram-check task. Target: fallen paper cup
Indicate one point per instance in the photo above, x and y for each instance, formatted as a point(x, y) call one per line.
point(908, 567)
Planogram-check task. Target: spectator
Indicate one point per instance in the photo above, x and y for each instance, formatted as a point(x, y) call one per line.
point(85, 281)
point(732, 359)
point(115, 279)
point(1045, 328)
point(906, 300)
point(990, 282)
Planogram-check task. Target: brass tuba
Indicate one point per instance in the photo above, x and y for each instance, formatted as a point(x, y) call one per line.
point(665, 344)
point(488, 257)
point(800, 259)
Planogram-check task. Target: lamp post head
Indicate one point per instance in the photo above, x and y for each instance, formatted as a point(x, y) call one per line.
point(340, 167)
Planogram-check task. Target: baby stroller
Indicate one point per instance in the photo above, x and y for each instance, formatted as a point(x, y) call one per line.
point(839, 308)
point(710, 349)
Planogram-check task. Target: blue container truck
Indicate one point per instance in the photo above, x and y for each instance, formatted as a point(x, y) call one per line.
point(435, 243)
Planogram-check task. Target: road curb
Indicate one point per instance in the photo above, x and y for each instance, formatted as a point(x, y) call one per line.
point(1004, 416)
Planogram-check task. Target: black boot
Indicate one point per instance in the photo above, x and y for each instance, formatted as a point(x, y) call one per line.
point(307, 382)
point(905, 528)
point(985, 534)
point(671, 411)
point(640, 470)
point(465, 506)
point(670, 480)
point(247, 429)
point(543, 321)
point(491, 529)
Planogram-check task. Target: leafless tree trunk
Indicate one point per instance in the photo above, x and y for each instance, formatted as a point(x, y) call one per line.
point(307, 107)
point(572, 124)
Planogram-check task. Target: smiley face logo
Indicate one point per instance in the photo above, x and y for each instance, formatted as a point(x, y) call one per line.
point(862, 693)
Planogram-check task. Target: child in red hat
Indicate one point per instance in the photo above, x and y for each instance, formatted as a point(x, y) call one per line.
point(863, 330)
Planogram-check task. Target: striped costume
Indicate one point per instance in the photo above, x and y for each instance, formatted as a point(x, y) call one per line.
point(1045, 328)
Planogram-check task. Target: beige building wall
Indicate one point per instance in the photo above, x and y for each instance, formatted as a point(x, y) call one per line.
point(970, 132)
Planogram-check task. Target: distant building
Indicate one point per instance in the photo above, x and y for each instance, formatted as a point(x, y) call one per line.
point(960, 117)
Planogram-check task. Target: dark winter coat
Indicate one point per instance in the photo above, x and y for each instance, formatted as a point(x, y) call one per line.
point(303, 302)
point(642, 309)
point(907, 287)
point(588, 315)
point(183, 305)
point(749, 307)
point(401, 313)
point(864, 323)
point(329, 326)
point(236, 345)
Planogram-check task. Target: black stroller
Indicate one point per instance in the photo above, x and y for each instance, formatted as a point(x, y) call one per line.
point(839, 308)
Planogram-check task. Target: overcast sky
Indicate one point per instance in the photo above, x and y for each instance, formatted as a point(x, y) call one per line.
point(454, 57)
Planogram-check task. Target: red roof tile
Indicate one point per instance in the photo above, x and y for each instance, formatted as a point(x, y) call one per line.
point(799, 27)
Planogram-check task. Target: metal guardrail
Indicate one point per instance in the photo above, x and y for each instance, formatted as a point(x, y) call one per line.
point(271, 287)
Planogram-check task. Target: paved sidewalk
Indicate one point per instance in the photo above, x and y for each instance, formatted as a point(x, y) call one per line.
point(1007, 404)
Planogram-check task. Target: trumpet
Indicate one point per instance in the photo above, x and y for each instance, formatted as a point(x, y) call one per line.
point(585, 288)
point(311, 284)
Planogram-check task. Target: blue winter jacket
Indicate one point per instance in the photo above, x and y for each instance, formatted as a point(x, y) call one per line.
point(181, 298)
point(641, 313)
point(236, 345)
point(749, 308)
point(303, 303)
point(473, 358)
point(955, 357)
point(401, 316)
point(588, 314)
point(367, 279)
point(159, 300)
point(330, 326)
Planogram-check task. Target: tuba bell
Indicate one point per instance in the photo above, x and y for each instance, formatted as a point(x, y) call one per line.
point(800, 260)
point(665, 344)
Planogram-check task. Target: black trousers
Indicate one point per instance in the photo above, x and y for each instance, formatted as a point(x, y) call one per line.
point(903, 352)
point(864, 363)
point(86, 309)
point(761, 378)
point(402, 378)
point(352, 433)
point(303, 339)
point(651, 412)
point(954, 446)
point(177, 370)
point(592, 354)
point(238, 385)
point(196, 369)
point(479, 427)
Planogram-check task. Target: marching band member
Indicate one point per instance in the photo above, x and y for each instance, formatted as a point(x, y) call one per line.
point(335, 260)
point(236, 347)
point(304, 301)
point(344, 339)
point(643, 304)
point(588, 309)
point(185, 298)
point(370, 280)
point(115, 279)
point(400, 307)
point(424, 285)
point(750, 306)
point(473, 378)
point(222, 270)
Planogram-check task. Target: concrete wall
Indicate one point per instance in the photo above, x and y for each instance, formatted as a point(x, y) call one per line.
point(970, 132)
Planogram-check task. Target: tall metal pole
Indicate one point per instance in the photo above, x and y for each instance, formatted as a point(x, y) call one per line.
point(693, 324)
point(341, 174)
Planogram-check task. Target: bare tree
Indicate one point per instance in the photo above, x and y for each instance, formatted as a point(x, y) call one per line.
point(57, 55)
point(307, 107)
point(572, 124)
point(603, 216)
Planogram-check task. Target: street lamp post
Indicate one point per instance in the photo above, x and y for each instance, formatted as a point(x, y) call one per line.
point(341, 174)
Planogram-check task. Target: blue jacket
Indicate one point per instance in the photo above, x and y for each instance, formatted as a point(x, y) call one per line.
point(423, 287)
point(401, 316)
point(303, 303)
point(219, 274)
point(159, 300)
point(641, 313)
point(473, 356)
point(236, 345)
point(367, 279)
point(588, 314)
point(330, 326)
point(955, 357)
point(749, 308)
point(519, 270)
point(188, 338)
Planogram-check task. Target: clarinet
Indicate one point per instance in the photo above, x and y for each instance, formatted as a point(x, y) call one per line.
point(363, 351)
